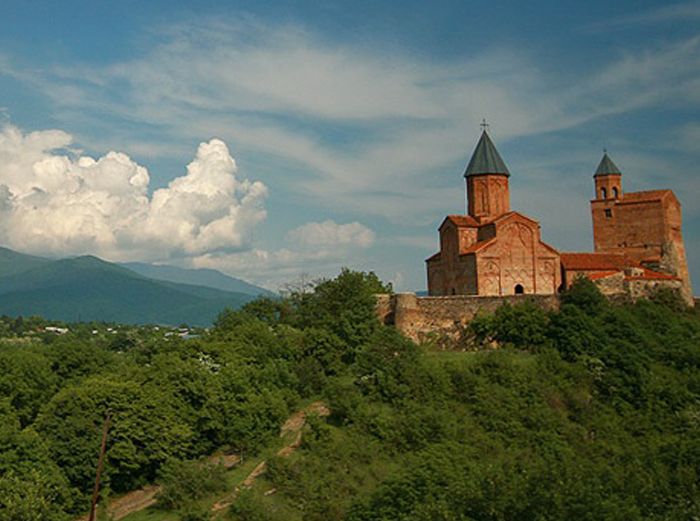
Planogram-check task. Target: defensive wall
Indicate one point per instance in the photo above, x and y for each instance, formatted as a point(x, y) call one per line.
point(446, 317)
point(421, 317)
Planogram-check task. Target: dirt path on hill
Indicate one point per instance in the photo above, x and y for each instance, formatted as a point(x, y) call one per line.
point(294, 424)
point(140, 499)
point(145, 497)
point(133, 502)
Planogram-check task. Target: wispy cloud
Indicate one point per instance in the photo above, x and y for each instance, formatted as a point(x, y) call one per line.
point(286, 93)
point(331, 234)
point(367, 132)
point(682, 12)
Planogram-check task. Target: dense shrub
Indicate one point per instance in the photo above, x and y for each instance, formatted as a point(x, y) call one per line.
point(523, 325)
point(184, 482)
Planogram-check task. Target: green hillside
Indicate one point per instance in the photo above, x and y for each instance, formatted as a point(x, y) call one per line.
point(12, 262)
point(87, 288)
point(590, 412)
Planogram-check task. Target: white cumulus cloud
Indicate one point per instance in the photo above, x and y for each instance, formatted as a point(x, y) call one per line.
point(53, 200)
point(318, 248)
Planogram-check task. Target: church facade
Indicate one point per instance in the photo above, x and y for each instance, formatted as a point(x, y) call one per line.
point(492, 250)
point(495, 251)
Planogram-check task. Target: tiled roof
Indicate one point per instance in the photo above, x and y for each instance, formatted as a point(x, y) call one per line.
point(486, 159)
point(512, 213)
point(602, 274)
point(477, 246)
point(596, 261)
point(608, 264)
point(463, 220)
point(433, 257)
point(652, 275)
point(648, 195)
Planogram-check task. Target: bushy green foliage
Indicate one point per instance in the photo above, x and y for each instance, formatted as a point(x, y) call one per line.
point(524, 324)
point(145, 431)
point(32, 485)
point(27, 380)
point(184, 482)
point(249, 507)
point(584, 294)
point(30, 497)
point(588, 412)
point(344, 306)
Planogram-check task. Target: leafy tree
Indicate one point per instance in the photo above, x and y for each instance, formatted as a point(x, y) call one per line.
point(184, 482)
point(26, 379)
point(585, 295)
point(145, 431)
point(32, 486)
point(523, 325)
point(344, 306)
point(72, 360)
point(574, 332)
point(269, 310)
point(383, 364)
point(30, 497)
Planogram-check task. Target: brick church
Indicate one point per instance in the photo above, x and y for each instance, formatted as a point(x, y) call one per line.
point(494, 251)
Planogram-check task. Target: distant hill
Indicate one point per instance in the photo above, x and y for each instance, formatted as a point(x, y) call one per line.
point(12, 262)
point(201, 277)
point(87, 288)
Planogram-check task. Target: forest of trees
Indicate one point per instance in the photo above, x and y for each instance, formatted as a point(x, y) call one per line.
point(590, 412)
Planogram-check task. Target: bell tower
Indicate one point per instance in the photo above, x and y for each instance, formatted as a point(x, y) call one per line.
point(608, 180)
point(487, 176)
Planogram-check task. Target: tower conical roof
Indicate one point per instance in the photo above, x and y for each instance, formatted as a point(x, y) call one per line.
point(606, 167)
point(486, 159)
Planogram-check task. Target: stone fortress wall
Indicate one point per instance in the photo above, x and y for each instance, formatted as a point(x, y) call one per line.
point(447, 316)
point(420, 317)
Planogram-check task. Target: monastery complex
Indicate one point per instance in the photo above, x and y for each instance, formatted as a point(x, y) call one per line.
point(496, 251)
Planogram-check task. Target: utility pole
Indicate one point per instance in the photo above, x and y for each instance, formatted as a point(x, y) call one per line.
point(100, 464)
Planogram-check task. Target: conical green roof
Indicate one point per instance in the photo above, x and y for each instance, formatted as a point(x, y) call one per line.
point(486, 159)
point(606, 167)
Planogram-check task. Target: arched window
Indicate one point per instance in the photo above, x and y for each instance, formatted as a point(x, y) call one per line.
point(519, 290)
point(615, 192)
point(603, 193)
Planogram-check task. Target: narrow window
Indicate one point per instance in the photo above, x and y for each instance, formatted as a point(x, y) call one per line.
point(453, 291)
point(519, 290)
point(603, 193)
point(608, 213)
point(615, 192)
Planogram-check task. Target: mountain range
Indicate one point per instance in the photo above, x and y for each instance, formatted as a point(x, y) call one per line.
point(88, 288)
point(199, 277)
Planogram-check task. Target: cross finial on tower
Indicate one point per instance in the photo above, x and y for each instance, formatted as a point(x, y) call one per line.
point(484, 126)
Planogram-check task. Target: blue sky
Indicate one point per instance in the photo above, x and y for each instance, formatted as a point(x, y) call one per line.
point(350, 125)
